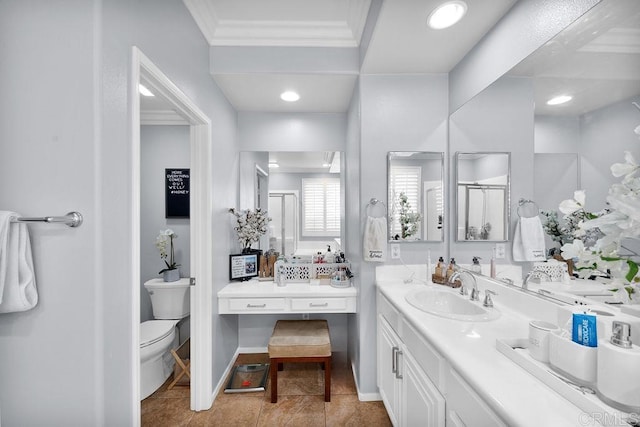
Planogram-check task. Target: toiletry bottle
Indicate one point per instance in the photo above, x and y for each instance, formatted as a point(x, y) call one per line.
point(618, 369)
point(476, 267)
point(452, 268)
point(492, 271)
point(439, 268)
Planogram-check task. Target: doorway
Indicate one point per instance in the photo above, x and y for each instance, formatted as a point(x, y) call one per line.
point(201, 249)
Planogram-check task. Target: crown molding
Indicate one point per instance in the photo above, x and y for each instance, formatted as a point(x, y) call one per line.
point(165, 117)
point(331, 33)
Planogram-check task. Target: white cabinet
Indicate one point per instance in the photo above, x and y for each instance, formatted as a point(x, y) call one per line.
point(413, 378)
point(388, 380)
point(422, 403)
point(410, 397)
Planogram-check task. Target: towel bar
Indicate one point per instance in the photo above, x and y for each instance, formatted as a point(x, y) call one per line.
point(72, 219)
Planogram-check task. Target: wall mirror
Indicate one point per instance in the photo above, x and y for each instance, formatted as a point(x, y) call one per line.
point(482, 196)
point(415, 196)
point(303, 194)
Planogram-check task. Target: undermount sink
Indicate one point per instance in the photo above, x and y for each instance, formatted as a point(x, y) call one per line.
point(448, 304)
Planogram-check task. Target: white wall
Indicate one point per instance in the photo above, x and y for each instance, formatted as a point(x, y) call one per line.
point(161, 147)
point(398, 113)
point(65, 141)
point(51, 356)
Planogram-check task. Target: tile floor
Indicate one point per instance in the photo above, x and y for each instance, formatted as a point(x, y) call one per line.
point(300, 402)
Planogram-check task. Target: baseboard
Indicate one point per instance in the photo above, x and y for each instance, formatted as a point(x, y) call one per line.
point(221, 383)
point(252, 350)
point(364, 397)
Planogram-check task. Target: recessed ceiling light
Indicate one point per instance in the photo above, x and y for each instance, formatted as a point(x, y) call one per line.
point(560, 99)
point(289, 96)
point(144, 91)
point(447, 14)
point(273, 165)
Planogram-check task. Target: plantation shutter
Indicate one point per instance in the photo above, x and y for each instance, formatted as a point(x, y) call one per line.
point(321, 201)
point(403, 179)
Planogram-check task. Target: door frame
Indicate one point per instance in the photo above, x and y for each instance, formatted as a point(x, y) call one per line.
point(201, 245)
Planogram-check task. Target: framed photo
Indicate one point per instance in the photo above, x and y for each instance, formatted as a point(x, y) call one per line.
point(243, 266)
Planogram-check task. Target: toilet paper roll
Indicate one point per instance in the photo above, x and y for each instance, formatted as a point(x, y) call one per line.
point(619, 376)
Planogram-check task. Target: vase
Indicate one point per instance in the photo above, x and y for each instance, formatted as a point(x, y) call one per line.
point(171, 275)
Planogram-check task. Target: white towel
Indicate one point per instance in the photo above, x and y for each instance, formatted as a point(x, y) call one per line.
point(17, 277)
point(375, 239)
point(528, 240)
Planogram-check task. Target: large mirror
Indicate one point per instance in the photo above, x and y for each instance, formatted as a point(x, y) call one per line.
point(303, 194)
point(482, 195)
point(415, 196)
point(559, 148)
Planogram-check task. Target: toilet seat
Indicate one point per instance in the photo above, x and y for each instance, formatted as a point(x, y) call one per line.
point(153, 331)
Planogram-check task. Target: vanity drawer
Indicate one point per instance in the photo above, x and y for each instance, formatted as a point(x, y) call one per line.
point(428, 358)
point(319, 304)
point(256, 305)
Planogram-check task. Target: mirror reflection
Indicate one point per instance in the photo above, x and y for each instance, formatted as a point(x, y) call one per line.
point(415, 196)
point(303, 195)
point(482, 181)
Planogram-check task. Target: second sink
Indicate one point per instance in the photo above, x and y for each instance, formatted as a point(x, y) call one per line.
point(445, 303)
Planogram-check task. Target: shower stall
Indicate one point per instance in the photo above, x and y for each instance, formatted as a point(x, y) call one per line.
point(283, 210)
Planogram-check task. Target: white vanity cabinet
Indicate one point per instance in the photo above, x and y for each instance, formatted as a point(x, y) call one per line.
point(418, 386)
point(410, 397)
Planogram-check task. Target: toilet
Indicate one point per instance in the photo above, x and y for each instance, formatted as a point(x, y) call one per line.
point(170, 303)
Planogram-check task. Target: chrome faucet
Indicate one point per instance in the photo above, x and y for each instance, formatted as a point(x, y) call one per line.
point(488, 302)
point(531, 274)
point(475, 294)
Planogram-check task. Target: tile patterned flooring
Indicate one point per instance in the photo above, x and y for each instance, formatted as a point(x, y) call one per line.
point(300, 402)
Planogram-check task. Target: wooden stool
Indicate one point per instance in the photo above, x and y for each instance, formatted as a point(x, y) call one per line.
point(300, 341)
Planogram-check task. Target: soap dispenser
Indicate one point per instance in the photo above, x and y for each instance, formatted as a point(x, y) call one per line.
point(618, 372)
point(475, 266)
point(439, 272)
point(452, 268)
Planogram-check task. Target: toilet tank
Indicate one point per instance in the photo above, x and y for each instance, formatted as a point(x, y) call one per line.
point(169, 300)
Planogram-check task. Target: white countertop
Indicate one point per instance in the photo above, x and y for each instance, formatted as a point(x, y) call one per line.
point(516, 396)
point(266, 289)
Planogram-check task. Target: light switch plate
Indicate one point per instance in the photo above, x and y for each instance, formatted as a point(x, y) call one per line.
point(500, 251)
point(395, 251)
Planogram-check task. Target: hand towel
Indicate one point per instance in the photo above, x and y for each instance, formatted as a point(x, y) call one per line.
point(528, 240)
point(17, 276)
point(375, 239)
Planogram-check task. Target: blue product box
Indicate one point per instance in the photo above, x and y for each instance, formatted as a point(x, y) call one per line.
point(584, 330)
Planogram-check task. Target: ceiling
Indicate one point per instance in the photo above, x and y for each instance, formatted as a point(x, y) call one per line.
point(333, 33)
point(319, 48)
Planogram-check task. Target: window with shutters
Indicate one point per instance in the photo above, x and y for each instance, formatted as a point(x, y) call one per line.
point(403, 179)
point(321, 207)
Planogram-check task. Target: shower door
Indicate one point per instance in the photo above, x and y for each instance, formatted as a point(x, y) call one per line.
point(283, 210)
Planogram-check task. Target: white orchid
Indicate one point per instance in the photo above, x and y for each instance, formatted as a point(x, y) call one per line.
point(628, 168)
point(570, 206)
point(166, 237)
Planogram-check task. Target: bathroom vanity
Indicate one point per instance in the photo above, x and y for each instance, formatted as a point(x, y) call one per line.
point(436, 370)
point(256, 297)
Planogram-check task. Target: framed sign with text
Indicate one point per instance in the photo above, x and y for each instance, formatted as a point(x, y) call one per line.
point(176, 193)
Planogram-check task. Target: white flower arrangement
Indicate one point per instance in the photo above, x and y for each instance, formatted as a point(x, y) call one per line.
point(251, 225)
point(166, 237)
point(619, 222)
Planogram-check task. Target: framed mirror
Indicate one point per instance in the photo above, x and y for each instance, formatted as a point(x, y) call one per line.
point(415, 198)
point(303, 195)
point(482, 196)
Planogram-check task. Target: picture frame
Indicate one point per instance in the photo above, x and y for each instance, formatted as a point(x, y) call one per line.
point(243, 266)
point(177, 189)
